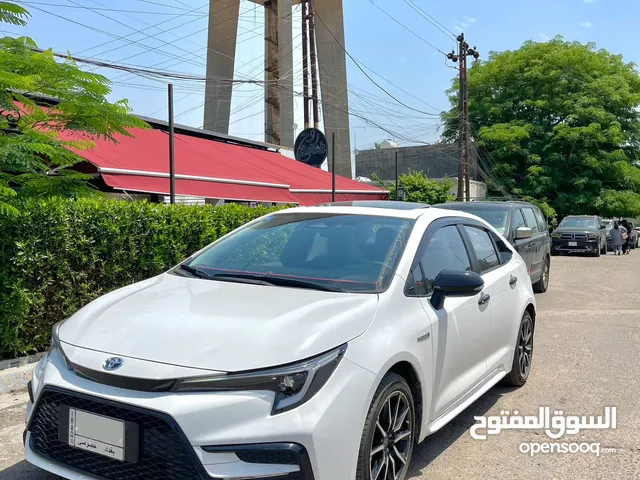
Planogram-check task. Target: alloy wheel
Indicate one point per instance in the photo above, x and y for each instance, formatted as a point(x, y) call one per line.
point(391, 443)
point(525, 348)
point(545, 275)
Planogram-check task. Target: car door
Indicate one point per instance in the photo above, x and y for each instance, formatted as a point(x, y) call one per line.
point(523, 247)
point(461, 328)
point(499, 273)
point(535, 244)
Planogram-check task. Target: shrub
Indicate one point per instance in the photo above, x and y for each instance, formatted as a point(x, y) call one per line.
point(57, 255)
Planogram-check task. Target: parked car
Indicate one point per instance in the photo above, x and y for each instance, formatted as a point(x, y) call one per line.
point(312, 343)
point(524, 225)
point(580, 234)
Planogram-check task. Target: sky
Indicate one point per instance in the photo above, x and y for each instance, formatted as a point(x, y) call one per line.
point(399, 49)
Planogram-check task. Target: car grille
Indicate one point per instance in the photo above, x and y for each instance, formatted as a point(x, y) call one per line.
point(573, 236)
point(164, 452)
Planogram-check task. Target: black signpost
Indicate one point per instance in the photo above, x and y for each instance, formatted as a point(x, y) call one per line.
point(311, 147)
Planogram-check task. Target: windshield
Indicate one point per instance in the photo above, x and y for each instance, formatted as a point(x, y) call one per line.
point(578, 223)
point(496, 217)
point(353, 253)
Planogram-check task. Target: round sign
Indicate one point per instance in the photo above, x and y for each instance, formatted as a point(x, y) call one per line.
point(311, 147)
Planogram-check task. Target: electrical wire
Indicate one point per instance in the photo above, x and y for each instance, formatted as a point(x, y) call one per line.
point(431, 20)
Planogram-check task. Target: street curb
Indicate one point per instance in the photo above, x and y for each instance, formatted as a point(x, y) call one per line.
point(15, 379)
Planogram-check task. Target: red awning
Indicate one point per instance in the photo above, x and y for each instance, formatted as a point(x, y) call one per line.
point(214, 169)
point(198, 188)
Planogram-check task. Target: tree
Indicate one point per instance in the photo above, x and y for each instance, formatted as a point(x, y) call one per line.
point(419, 188)
point(557, 121)
point(38, 145)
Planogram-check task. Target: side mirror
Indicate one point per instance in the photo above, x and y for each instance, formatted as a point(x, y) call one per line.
point(455, 283)
point(523, 232)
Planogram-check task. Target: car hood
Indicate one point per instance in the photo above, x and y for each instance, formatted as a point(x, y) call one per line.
point(217, 325)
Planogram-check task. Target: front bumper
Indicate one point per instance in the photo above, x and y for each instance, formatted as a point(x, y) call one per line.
point(193, 436)
point(574, 246)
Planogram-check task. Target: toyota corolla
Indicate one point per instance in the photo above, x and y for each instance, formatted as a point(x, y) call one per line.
point(315, 343)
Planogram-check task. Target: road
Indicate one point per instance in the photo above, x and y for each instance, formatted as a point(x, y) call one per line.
point(587, 357)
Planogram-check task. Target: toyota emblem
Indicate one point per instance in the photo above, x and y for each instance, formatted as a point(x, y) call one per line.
point(113, 363)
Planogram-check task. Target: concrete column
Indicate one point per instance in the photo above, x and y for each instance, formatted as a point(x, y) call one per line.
point(221, 54)
point(285, 38)
point(272, 90)
point(333, 79)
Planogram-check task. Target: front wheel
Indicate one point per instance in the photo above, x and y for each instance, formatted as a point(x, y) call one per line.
point(596, 252)
point(542, 285)
point(523, 355)
point(389, 432)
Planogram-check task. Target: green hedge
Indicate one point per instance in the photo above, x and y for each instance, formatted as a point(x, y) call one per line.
point(58, 255)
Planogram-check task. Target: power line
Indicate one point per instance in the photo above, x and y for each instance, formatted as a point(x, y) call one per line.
point(117, 10)
point(407, 28)
point(431, 20)
point(366, 74)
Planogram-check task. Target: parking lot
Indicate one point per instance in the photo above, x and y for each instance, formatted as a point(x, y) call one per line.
point(587, 357)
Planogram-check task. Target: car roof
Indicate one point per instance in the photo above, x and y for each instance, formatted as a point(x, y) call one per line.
point(580, 216)
point(430, 213)
point(481, 204)
point(390, 204)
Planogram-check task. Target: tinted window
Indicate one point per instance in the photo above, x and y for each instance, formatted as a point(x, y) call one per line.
point(530, 219)
point(483, 247)
point(358, 253)
point(578, 223)
point(444, 251)
point(517, 222)
point(494, 216)
point(504, 252)
point(542, 223)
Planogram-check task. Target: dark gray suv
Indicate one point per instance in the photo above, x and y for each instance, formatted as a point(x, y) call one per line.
point(580, 234)
point(524, 225)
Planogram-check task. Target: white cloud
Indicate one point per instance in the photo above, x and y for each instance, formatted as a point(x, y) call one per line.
point(470, 19)
point(459, 28)
point(545, 37)
point(589, 1)
point(586, 24)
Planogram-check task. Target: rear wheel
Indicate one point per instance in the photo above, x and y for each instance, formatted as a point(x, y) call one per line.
point(541, 285)
point(389, 432)
point(523, 355)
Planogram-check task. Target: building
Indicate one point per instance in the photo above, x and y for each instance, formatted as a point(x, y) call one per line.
point(210, 168)
point(435, 161)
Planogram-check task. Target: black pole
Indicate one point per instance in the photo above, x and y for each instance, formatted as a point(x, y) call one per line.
point(172, 166)
point(333, 166)
point(396, 175)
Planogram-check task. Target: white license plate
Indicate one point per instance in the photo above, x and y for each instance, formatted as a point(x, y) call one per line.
point(95, 433)
point(573, 244)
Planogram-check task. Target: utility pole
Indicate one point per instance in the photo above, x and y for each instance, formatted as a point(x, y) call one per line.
point(314, 65)
point(272, 72)
point(172, 162)
point(464, 138)
point(305, 61)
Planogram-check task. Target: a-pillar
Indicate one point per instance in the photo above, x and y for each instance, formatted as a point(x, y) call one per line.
point(221, 54)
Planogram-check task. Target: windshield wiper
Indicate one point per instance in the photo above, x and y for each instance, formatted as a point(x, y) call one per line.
point(196, 272)
point(280, 281)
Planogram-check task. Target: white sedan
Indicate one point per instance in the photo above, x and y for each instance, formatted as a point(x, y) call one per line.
point(315, 343)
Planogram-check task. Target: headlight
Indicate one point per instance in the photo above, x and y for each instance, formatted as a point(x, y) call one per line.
point(56, 345)
point(293, 385)
point(592, 236)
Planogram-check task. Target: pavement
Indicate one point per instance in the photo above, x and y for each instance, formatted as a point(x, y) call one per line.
point(587, 357)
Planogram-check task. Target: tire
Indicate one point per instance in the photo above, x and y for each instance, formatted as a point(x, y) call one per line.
point(392, 389)
point(604, 249)
point(597, 251)
point(542, 284)
point(518, 376)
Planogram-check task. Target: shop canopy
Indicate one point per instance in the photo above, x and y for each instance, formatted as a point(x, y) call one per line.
point(215, 169)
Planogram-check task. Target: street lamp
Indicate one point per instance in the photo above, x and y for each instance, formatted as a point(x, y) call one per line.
point(401, 194)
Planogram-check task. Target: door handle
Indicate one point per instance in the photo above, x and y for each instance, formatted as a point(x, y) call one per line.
point(513, 280)
point(484, 298)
